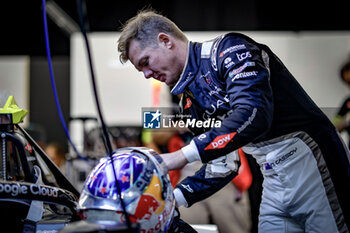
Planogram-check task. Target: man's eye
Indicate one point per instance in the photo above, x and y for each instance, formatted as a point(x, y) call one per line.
point(144, 62)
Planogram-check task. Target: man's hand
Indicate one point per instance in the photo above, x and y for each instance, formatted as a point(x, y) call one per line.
point(180, 226)
point(175, 160)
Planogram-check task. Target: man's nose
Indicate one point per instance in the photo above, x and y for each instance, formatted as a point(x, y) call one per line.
point(148, 73)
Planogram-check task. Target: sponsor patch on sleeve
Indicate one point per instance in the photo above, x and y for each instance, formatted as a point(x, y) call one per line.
point(241, 68)
point(232, 49)
point(220, 141)
point(244, 75)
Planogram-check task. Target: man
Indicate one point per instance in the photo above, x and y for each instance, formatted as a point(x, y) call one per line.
point(342, 119)
point(263, 110)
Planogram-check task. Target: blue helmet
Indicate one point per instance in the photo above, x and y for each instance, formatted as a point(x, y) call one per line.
point(144, 186)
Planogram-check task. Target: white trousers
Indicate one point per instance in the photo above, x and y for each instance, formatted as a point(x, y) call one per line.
point(298, 194)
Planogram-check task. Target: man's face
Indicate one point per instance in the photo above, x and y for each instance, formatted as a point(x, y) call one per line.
point(161, 63)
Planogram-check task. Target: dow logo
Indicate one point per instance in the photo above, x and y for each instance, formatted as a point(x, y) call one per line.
point(151, 119)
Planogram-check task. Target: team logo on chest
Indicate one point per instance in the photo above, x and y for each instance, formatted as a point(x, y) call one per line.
point(188, 103)
point(214, 107)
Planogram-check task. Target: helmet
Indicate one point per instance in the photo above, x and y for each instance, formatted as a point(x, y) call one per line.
point(145, 189)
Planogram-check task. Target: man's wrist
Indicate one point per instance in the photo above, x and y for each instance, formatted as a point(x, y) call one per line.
point(175, 160)
point(191, 152)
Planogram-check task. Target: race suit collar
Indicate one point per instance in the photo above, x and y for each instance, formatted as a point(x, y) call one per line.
point(190, 68)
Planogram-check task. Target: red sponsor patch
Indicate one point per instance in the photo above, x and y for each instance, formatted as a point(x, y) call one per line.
point(220, 141)
point(208, 80)
point(103, 190)
point(188, 103)
point(28, 147)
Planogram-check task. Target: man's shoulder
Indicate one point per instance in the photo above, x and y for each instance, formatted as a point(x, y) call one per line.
point(216, 48)
point(209, 50)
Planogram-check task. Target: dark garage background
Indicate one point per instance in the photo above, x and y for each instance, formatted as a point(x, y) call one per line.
point(22, 33)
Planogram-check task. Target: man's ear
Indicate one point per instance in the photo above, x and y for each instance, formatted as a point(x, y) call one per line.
point(165, 39)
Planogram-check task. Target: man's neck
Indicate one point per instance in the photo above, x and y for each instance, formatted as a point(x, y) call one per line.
point(183, 53)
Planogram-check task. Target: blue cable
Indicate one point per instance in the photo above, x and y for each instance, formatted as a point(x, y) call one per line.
point(53, 85)
point(104, 128)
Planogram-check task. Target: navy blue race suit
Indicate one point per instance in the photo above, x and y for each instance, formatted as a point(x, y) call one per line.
point(264, 110)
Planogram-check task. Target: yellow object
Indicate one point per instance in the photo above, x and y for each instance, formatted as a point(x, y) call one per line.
point(155, 189)
point(12, 108)
point(156, 88)
point(146, 136)
point(336, 120)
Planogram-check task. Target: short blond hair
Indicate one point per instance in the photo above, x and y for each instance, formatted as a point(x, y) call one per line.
point(144, 28)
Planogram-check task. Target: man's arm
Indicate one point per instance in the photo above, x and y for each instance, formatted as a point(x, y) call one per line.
point(175, 160)
point(208, 180)
point(178, 159)
point(249, 94)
